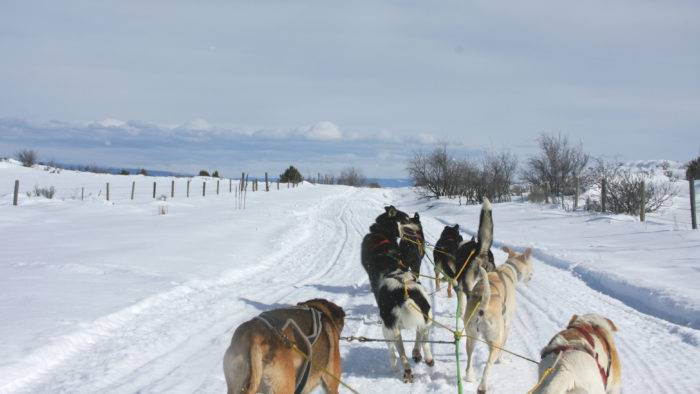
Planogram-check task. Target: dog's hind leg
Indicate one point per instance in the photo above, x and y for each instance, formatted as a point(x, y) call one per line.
point(391, 344)
point(395, 336)
point(492, 338)
point(416, 347)
point(424, 334)
point(471, 342)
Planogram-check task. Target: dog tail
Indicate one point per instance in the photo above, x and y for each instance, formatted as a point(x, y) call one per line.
point(243, 372)
point(486, 292)
point(485, 227)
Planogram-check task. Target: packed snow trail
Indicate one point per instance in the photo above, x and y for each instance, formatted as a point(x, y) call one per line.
point(173, 340)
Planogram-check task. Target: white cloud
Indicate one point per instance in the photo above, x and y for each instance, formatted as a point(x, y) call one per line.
point(324, 131)
point(198, 124)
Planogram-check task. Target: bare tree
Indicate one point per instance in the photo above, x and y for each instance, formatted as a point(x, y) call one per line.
point(558, 165)
point(352, 176)
point(438, 174)
point(624, 188)
point(27, 157)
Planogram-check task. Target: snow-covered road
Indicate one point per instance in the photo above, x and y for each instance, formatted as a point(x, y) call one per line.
point(160, 319)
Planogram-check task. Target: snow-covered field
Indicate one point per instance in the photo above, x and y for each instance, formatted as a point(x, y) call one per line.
point(113, 297)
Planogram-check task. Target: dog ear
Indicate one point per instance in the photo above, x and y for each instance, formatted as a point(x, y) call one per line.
point(391, 211)
point(612, 325)
point(416, 216)
point(527, 254)
point(509, 251)
point(456, 227)
point(572, 320)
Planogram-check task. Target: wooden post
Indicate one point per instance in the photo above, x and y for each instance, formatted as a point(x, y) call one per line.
point(318, 177)
point(643, 204)
point(133, 186)
point(693, 218)
point(603, 195)
point(217, 186)
point(172, 188)
point(576, 194)
point(107, 191)
point(204, 188)
point(16, 194)
point(242, 178)
point(82, 193)
point(278, 183)
point(188, 188)
point(230, 185)
point(267, 185)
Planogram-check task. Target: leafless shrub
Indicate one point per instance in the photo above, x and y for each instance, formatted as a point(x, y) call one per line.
point(438, 174)
point(558, 165)
point(624, 189)
point(27, 157)
point(47, 192)
point(374, 185)
point(352, 176)
point(536, 195)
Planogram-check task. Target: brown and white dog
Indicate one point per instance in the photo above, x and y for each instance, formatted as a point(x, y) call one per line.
point(259, 359)
point(582, 358)
point(491, 306)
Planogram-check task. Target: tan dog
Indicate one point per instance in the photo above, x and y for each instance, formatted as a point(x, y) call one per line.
point(491, 306)
point(581, 359)
point(259, 358)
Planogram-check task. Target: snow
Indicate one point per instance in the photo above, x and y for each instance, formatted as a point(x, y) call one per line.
point(103, 296)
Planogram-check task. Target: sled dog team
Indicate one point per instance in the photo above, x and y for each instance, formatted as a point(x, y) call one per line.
point(296, 349)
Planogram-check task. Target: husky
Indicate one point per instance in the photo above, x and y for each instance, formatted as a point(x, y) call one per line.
point(260, 359)
point(444, 255)
point(380, 250)
point(464, 270)
point(491, 306)
point(412, 244)
point(403, 304)
point(582, 358)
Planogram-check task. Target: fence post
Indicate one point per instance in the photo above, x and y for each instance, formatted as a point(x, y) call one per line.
point(576, 194)
point(16, 194)
point(230, 185)
point(172, 188)
point(133, 186)
point(603, 195)
point(154, 189)
point(107, 191)
point(693, 218)
point(82, 193)
point(643, 204)
point(267, 185)
point(242, 178)
point(188, 188)
point(217, 186)
point(204, 188)
point(278, 184)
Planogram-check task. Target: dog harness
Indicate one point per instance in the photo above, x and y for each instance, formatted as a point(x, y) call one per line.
point(278, 326)
point(587, 331)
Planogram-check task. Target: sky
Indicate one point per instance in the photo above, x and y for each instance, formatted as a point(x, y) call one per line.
point(257, 85)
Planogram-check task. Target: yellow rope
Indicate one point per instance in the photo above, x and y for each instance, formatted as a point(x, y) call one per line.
point(466, 262)
point(546, 373)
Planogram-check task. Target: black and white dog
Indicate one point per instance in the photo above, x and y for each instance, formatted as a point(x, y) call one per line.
point(403, 305)
point(412, 244)
point(444, 255)
point(380, 249)
point(402, 301)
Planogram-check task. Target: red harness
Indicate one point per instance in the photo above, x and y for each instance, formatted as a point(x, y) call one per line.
point(380, 243)
point(587, 331)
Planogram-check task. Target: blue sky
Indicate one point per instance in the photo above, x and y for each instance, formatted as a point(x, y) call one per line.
point(256, 86)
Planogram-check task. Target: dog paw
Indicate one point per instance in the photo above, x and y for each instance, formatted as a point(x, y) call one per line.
point(481, 391)
point(470, 375)
point(417, 357)
point(430, 362)
point(503, 359)
point(407, 376)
